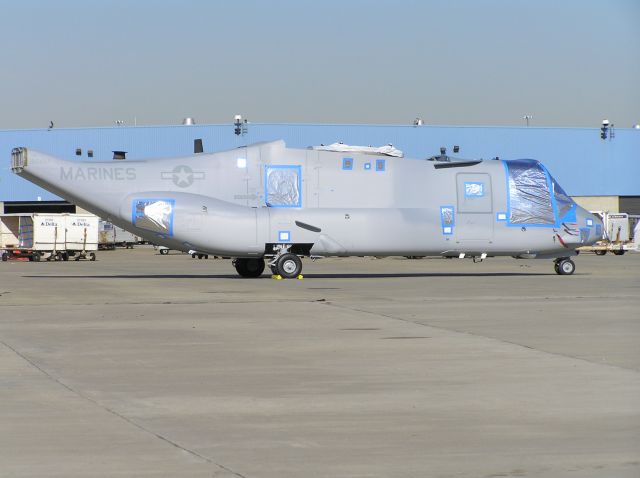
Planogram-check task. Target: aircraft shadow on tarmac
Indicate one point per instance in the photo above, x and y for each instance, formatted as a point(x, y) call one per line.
point(363, 275)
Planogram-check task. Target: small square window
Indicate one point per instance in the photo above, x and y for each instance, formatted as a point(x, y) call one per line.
point(347, 164)
point(473, 189)
point(367, 166)
point(284, 236)
point(78, 152)
point(90, 153)
point(380, 165)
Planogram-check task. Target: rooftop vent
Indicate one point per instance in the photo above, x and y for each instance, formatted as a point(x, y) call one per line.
point(188, 121)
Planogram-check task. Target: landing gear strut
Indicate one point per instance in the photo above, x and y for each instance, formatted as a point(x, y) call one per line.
point(249, 267)
point(564, 266)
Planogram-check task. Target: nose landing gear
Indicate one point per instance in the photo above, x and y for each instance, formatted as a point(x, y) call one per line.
point(564, 266)
point(288, 265)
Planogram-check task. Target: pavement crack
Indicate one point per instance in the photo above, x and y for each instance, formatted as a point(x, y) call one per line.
point(472, 334)
point(113, 412)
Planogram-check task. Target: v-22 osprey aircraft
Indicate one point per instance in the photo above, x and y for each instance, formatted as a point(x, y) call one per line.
point(269, 204)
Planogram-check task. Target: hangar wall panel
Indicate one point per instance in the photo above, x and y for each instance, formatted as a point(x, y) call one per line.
point(599, 203)
point(630, 204)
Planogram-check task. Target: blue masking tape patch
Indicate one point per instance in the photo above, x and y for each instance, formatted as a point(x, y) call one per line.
point(473, 189)
point(447, 219)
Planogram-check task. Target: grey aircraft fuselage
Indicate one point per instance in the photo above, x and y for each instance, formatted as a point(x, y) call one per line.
point(266, 199)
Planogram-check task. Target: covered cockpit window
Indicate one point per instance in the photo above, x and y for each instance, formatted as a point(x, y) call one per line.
point(563, 201)
point(529, 195)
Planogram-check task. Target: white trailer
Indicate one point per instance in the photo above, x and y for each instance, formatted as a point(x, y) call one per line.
point(48, 236)
point(618, 236)
point(125, 238)
point(38, 236)
point(82, 233)
point(111, 236)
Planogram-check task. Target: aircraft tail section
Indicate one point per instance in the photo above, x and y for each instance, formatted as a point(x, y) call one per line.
point(39, 168)
point(179, 220)
point(92, 185)
point(18, 159)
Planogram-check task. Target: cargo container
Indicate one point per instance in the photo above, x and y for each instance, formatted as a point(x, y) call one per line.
point(39, 236)
point(125, 238)
point(111, 236)
point(619, 236)
point(106, 235)
point(48, 236)
point(81, 237)
point(9, 232)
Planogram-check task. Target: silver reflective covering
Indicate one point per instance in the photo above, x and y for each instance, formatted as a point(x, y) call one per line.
point(563, 201)
point(447, 215)
point(154, 215)
point(387, 150)
point(529, 195)
point(282, 186)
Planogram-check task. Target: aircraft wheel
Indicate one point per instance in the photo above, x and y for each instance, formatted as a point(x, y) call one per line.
point(249, 267)
point(164, 252)
point(289, 265)
point(619, 252)
point(5, 257)
point(64, 256)
point(92, 256)
point(600, 252)
point(565, 267)
point(36, 256)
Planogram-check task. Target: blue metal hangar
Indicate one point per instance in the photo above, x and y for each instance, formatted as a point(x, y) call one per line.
point(598, 167)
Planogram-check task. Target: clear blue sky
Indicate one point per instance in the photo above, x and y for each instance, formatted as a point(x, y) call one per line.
point(88, 63)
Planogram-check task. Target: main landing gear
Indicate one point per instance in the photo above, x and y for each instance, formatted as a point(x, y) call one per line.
point(285, 266)
point(249, 267)
point(564, 266)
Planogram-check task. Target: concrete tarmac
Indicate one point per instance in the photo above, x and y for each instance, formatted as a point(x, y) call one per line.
point(142, 365)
